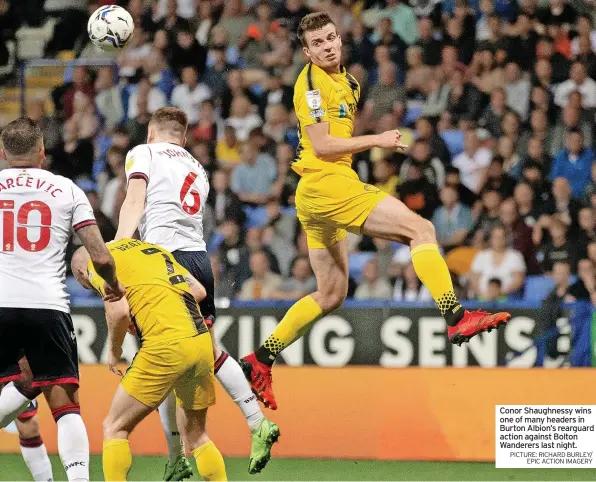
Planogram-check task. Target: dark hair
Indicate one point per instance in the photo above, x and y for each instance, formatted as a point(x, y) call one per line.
point(313, 21)
point(495, 281)
point(116, 150)
point(575, 130)
point(21, 136)
point(452, 170)
point(170, 119)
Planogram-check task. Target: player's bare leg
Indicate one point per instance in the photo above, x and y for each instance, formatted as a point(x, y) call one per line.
point(32, 447)
point(178, 467)
point(124, 415)
point(73, 444)
point(392, 220)
point(330, 266)
point(210, 463)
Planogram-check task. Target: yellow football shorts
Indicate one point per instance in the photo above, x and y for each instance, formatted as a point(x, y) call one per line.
point(333, 201)
point(185, 366)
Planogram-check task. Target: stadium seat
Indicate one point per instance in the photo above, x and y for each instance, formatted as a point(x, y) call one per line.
point(356, 264)
point(454, 141)
point(537, 287)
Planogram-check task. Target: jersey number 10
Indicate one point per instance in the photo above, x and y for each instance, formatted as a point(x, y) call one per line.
point(8, 226)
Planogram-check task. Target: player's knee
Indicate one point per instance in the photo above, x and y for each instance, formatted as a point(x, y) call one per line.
point(425, 232)
point(333, 300)
point(28, 428)
point(111, 429)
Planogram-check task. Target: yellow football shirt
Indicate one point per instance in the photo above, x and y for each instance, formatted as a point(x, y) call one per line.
point(160, 300)
point(323, 97)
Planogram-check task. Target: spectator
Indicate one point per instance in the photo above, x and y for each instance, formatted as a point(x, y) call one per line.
point(113, 194)
point(252, 180)
point(49, 125)
point(437, 95)
point(227, 150)
point(263, 283)
point(570, 120)
point(108, 100)
point(519, 234)
point(74, 157)
point(189, 95)
point(426, 130)
point(417, 74)
point(409, 288)
point(558, 248)
point(418, 193)
point(158, 73)
point(242, 119)
point(396, 46)
point(574, 164)
point(517, 90)
point(223, 201)
point(452, 220)
point(384, 174)
point(590, 188)
point(385, 97)
point(578, 80)
point(494, 292)
point(372, 287)
point(403, 20)
point(499, 180)
point(488, 218)
point(500, 262)
point(492, 117)
point(433, 169)
point(64, 95)
point(453, 179)
point(431, 47)
point(584, 288)
point(146, 97)
point(587, 229)
point(276, 122)
point(300, 284)
point(473, 162)
point(187, 52)
point(209, 125)
point(527, 209)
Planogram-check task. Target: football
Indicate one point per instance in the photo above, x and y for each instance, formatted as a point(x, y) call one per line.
point(110, 27)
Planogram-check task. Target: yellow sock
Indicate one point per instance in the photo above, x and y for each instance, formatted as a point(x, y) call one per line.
point(117, 459)
point(210, 462)
point(297, 321)
point(434, 274)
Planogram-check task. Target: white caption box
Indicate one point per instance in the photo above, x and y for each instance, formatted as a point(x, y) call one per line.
point(545, 436)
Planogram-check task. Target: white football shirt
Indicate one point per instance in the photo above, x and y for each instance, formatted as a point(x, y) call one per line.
point(38, 211)
point(177, 189)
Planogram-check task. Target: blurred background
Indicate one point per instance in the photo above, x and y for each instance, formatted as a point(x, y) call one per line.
point(496, 100)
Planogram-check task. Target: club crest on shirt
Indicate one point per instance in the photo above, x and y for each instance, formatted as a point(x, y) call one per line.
point(313, 99)
point(129, 163)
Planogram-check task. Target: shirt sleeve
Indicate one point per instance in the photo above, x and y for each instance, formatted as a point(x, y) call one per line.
point(311, 100)
point(138, 163)
point(82, 212)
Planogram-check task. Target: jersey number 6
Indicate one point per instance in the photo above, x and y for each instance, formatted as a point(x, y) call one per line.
point(8, 226)
point(195, 207)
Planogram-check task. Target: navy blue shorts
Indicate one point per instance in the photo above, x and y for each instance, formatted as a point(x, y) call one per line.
point(46, 337)
point(197, 263)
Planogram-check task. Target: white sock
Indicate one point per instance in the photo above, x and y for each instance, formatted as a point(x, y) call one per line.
point(12, 404)
point(38, 462)
point(232, 378)
point(73, 446)
point(167, 413)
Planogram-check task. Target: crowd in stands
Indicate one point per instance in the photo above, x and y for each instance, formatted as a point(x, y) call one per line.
point(496, 99)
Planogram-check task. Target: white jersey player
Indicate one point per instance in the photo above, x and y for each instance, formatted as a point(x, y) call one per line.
point(167, 191)
point(38, 212)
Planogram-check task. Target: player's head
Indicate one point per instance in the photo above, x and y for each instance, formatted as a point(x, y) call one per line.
point(168, 124)
point(78, 265)
point(22, 143)
point(320, 40)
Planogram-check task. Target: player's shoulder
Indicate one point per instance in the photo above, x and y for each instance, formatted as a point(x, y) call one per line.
point(140, 150)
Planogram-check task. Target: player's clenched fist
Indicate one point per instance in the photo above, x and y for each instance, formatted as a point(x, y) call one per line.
point(391, 140)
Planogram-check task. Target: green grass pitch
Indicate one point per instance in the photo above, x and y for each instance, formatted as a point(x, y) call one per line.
point(13, 468)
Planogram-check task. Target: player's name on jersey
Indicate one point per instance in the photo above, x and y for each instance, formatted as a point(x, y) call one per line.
point(390, 337)
point(30, 182)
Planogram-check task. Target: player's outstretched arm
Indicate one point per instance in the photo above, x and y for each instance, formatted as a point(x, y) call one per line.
point(102, 260)
point(132, 208)
point(118, 319)
point(196, 288)
point(327, 146)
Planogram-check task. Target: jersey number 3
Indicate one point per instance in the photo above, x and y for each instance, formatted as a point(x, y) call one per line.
point(8, 226)
point(186, 190)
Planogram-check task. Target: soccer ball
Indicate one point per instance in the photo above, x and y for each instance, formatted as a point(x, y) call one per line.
point(110, 27)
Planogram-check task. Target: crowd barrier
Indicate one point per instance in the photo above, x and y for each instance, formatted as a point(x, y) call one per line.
point(384, 334)
point(339, 397)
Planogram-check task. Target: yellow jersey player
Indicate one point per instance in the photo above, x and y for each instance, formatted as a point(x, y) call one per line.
point(176, 352)
point(331, 200)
